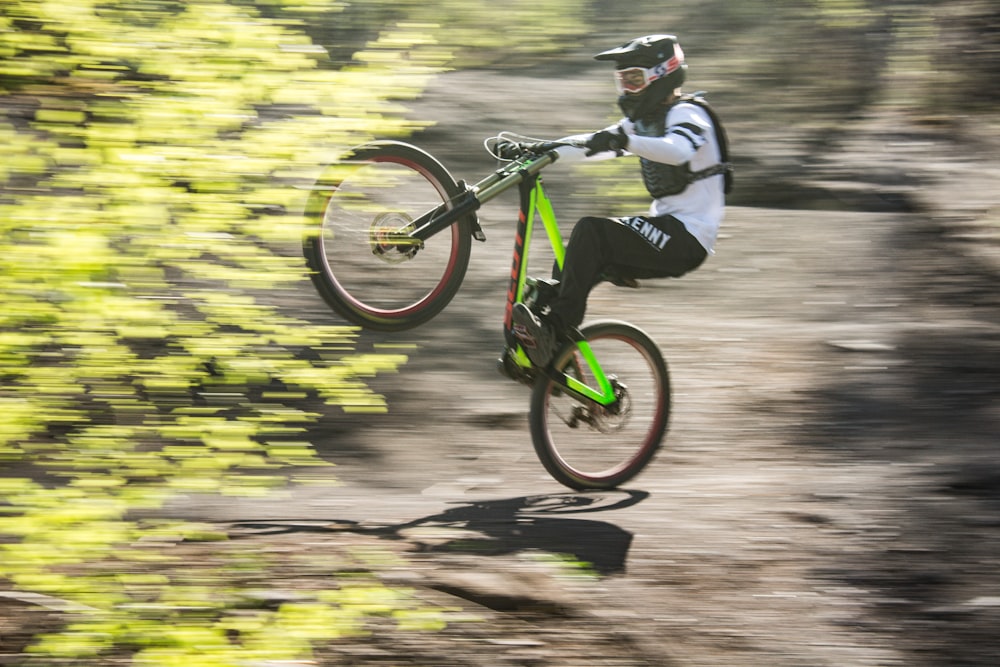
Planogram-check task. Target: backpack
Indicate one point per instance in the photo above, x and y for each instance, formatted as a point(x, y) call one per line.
point(725, 167)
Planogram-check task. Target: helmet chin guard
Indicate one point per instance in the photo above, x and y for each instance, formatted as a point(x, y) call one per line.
point(646, 104)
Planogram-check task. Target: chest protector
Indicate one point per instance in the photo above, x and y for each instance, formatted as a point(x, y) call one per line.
point(663, 180)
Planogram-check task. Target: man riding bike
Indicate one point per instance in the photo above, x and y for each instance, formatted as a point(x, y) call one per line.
point(682, 151)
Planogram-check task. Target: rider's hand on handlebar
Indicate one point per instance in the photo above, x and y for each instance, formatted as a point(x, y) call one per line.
point(508, 150)
point(606, 140)
point(513, 150)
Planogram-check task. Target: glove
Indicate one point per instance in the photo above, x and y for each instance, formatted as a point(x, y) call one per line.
point(607, 140)
point(508, 150)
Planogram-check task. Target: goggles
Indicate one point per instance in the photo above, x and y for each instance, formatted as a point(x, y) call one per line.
point(632, 80)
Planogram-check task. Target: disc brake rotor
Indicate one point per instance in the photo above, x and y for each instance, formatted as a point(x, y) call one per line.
point(609, 422)
point(389, 237)
point(598, 418)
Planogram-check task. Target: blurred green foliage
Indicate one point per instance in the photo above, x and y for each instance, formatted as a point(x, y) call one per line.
point(147, 215)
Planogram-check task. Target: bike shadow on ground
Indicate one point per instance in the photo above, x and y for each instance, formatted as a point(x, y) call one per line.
point(547, 523)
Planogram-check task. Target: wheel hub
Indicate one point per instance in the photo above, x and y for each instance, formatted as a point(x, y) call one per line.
point(389, 237)
point(602, 419)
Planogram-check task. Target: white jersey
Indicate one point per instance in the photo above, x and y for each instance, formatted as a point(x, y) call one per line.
point(689, 137)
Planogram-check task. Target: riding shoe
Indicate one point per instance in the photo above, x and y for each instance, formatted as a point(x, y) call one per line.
point(537, 336)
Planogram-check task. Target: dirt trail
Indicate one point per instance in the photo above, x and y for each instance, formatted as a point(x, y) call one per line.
point(829, 490)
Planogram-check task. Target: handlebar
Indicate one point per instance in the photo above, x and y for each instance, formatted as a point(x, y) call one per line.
point(509, 147)
point(525, 158)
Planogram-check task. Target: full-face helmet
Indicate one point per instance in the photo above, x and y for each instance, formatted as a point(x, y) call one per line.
point(647, 71)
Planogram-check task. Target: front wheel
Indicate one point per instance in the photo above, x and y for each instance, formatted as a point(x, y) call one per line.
point(585, 446)
point(362, 261)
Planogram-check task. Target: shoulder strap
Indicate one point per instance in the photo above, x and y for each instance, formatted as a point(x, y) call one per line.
point(726, 166)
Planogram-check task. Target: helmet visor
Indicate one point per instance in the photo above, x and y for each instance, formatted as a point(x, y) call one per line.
point(632, 80)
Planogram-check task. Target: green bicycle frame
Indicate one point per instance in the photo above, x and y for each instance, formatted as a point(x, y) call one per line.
point(534, 202)
point(525, 174)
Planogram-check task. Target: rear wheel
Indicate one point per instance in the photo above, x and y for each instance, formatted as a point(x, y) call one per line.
point(585, 446)
point(362, 262)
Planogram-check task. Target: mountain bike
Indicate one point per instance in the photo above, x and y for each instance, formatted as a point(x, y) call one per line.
point(388, 243)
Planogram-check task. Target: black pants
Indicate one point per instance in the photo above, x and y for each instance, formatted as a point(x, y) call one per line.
point(636, 248)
